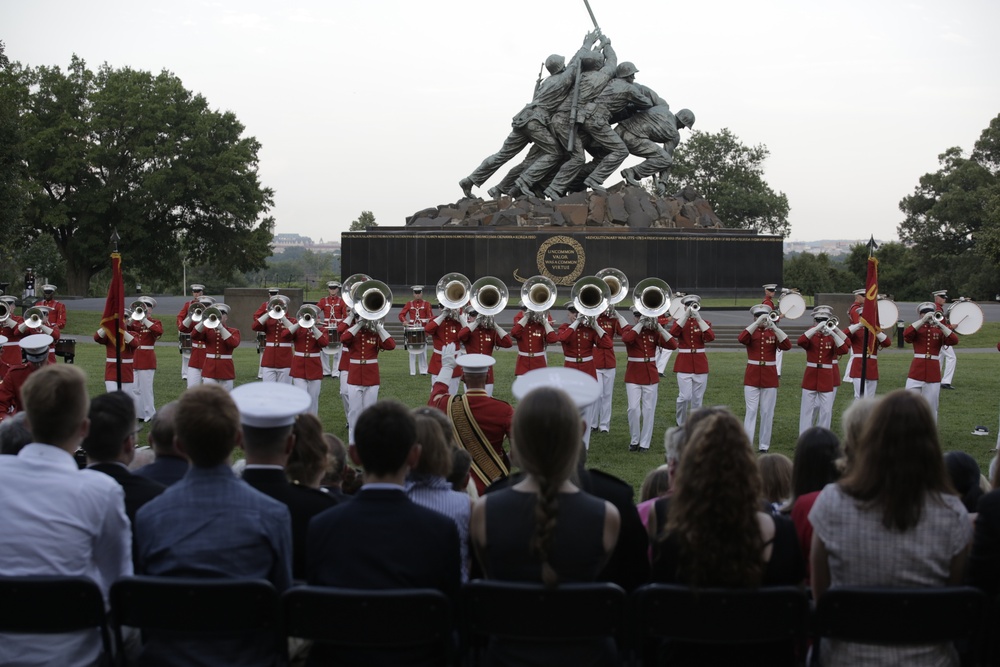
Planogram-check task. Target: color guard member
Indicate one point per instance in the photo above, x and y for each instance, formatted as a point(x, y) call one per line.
point(417, 313)
point(763, 339)
point(854, 317)
point(219, 343)
point(856, 332)
point(111, 362)
point(691, 363)
point(928, 335)
point(642, 381)
point(823, 345)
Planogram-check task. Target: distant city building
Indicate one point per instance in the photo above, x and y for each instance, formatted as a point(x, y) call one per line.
point(284, 241)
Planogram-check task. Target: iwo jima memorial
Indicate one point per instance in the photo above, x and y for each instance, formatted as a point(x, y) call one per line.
point(552, 214)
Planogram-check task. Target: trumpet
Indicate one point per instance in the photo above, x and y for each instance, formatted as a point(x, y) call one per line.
point(212, 318)
point(307, 316)
point(651, 298)
point(453, 291)
point(774, 316)
point(830, 326)
point(617, 284)
point(538, 295)
point(34, 318)
point(138, 309)
point(590, 297)
point(937, 316)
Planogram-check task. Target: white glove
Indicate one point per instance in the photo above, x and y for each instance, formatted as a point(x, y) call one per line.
point(839, 336)
point(598, 329)
point(292, 328)
point(187, 322)
point(575, 324)
point(46, 329)
point(382, 333)
point(200, 326)
point(448, 357)
point(881, 336)
point(854, 327)
point(148, 322)
point(547, 325)
point(315, 330)
point(500, 332)
point(682, 320)
point(812, 332)
point(224, 333)
point(663, 331)
point(703, 325)
point(779, 334)
point(102, 333)
point(356, 328)
point(473, 324)
point(285, 321)
point(350, 317)
point(441, 318)
point(622, 322)
point(921, 322)
point(263, 318)
point(943, 327)
point(639, 326)
point(128, 337)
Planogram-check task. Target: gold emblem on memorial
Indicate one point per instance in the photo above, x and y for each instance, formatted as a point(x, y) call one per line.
point(561, 259)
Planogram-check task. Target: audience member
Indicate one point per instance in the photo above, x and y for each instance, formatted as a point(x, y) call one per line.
point(673, 445)
point(818, 461)
point(853, 421)
point(143, 457)
point(460, 476)
point(776, 479)
point(171, 464)
point(892, 520)
point(984, 560)
point(963, 472)
point(543, 528)
point(58, 520)
point(310, 459)
point(212, 525)
point(333, 480)
point(269, 412)
point(14, 434)
point(426, 484)
point(380, 539)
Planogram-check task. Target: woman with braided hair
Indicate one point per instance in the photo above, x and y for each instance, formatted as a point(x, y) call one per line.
point(544, 529)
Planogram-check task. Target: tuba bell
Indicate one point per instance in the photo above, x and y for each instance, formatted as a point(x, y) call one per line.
point(489, 296)
point(138, 309)
point(4, 311)
point(538, 295)
point(651, 297)
point(349, 285)
point(373, 300)
point(590, 296)
point(617, 284)
point(212, 318)
point(453, 290)
point(307, 316)
point(34, 318)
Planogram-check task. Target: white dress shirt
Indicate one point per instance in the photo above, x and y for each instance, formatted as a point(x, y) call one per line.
point(58, 520)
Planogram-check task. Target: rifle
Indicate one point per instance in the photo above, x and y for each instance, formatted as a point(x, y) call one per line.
point(538, 82)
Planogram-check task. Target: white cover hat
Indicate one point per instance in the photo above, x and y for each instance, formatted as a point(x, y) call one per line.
point(580, 386)
point(270, 404)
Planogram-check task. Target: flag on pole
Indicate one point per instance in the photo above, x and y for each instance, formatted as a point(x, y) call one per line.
point(113, 321)
point(869, 311)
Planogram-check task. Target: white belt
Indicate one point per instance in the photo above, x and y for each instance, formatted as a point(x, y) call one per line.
point(578, 360)
point(147, 347)
point(113, 360)
point(752, 362)
point(364, 361)
point(690, 351)
point(277, 344)
point(304, 354)
point(530, 354)
point(198, 344)
point(220, 356)
point(640, 359)
point(926, 356)
point(812, 365)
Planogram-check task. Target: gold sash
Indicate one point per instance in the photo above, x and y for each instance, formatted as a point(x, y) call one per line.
point(487, 465)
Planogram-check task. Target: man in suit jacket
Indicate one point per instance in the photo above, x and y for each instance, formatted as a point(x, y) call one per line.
point(267, 415)
point(380, 539)
point(170, 464)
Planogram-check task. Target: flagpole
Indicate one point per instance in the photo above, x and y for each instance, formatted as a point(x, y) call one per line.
point(118, 322)
point(864, 345)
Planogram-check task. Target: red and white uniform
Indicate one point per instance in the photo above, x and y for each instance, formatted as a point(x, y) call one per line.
point(663, 354)
point(578, 343)
point(691, 363)
point(820, 380)
point(196, 360)
point(186, 355)
point(948, 359)
point(334, 310)
point(925, 369)
point(760, 380)
point(111, 364)
point(11, 354)
point(219, 367)
point(532, 339)
point(642, 380)
point(483, 341)
point(276, 360)
point(363, 376)
point(57, 312)
point(307, 366)
point(857, 338)
point(854, 317)
point(607, 368)
point(442, 334)
point(343, 366)
point(145, 365)
point(416, 313)
point(10, 388)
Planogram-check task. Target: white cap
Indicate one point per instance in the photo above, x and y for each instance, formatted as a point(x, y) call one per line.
point(859, 292)
point(926, 307)
point(197, 287)
point(148, 300)
point(223, 308)
point(760, 309)
point(940, 292)
point(475, 363)
point(417, 288)
point(273, 290)
point(688, 299)
point(580, 386)
point(36, 345)
point(770, 287)
point(48, 288)
point(270, 404)
point(332, 284)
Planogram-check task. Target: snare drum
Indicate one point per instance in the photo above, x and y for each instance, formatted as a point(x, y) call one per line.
point(261, 341)
point(66, 348)
point(184, 342)
point(415, 337)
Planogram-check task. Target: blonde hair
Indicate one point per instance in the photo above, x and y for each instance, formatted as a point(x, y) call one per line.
point(56, 401)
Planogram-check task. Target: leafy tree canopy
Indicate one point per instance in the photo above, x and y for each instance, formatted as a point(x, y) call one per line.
point(365, 220)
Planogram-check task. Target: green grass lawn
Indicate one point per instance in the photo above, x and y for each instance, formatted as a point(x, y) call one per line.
point(973, 403)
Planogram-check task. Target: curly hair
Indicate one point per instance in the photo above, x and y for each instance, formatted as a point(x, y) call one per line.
point(310, 457)
point(713, 512)
point(547, 439)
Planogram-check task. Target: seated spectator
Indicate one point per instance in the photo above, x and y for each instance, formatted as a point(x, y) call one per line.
point(892, 520)
point(309, 461)
point(426, 484)
point(269, 412)
point(333, 480)
point(170, 464)
point(673, 444)
point(380, 539)
point(544, 529)
point(14, 434)
point(776, 479)
point(854, 420)
point(818, 459)
point(58, 520)
point(963, 471)
point(143, 457)
point(656, 485)
point(212, 525)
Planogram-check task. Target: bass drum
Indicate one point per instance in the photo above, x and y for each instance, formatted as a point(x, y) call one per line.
point(888, 313)
point(966, 317)
point(792, 306)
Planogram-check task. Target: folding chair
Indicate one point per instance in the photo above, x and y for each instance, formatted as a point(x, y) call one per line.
point(546, 618)
point(53, 604)
point(758, 626)
point(413, 624)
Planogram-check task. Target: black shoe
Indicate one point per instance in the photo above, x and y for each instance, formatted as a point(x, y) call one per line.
point(633, 448)
point(644, 450)
point(762, 450)
point(946, 386)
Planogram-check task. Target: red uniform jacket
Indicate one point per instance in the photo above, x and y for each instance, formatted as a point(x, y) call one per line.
point(145, 354)
point(182, 315)
point(110, 363)
point(927, 342)
point(762, 346)
point(416, 311)
point(482, 341)
point(441, 336)
point(11, 354)
point(531, 342)
point(363, 352)
point(605, 358)
point(768, 301)
point(857, 347)
point(578, 346)
point(57, 313)
point(197, 360)
point(345, 357)
point(218, 353)
point(334, 310)
point(641, 351)
point(10, 389)
point(306, 347)
point(690, 357)
point(277, 351)
point(822, 373)
point(854, 314)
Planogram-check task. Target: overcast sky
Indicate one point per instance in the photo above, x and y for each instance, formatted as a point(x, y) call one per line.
point(383, 105)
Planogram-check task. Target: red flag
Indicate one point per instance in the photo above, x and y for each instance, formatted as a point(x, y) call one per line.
point(869, 311)
point(113, 321)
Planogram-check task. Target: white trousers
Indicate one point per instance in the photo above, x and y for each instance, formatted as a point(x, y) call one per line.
point(145, 407)
point(418, 360)
point(690, 394)
point(760, 399)
point(641, 412)
point(330, 359)
point(606, 384)
point(870, 387)
point(948, 362)
point(193, 377)
point(225, 384)
point(847, 367)
point(779, 355)
point(817, 409)
point(344, 396)
point(185, 359)
point(282, 375)
point(929, 390)
point(359, 397)
point(127, 387)
point(662, 357)
point(312, 387)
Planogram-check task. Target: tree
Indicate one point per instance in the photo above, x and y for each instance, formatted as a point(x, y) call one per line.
point(815, 274)
point(365, 220)
point(12, 195)
point(730, 176)
point(953, 219)
point(124, 149)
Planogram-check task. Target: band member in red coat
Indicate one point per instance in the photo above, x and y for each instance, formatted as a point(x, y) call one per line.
point(416, 314)
point(111, 362)
point(57, 309)
point(11, 351)
point(481, 336)
point(663, 354)
point(196, 361)
point(276, 360)
point(219, 343)
point(197, 292)
point(947, 359)
point(579, 337)
point(333, 309)
point(854, 317)
point(762, 339)
point(481, 421)
point(147, 331)
point(533, 333)
point(856, 333)
point(823, 344)
point(928, 335)
point(36, 355)
point(642, 381)
point(606, 364)
point(444, 329)
point(308, 343)
point(363, 340)
point(691, 363)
